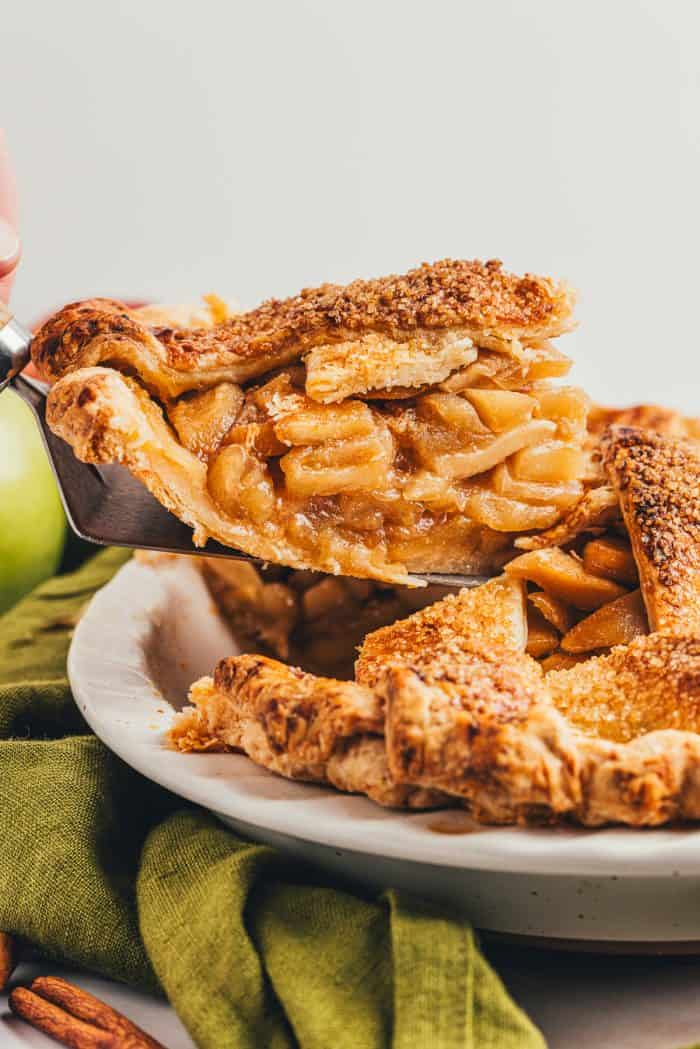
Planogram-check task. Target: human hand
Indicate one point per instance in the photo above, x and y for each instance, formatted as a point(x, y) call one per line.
point(9, 241)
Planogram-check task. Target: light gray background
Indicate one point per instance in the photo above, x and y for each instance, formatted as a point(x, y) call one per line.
point(166, 149)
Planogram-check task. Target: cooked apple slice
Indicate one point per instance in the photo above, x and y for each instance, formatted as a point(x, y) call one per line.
point(501, 409)
point(598, 508)
point(565, 577)
point(616, 623)
point(555, 611)
point(548, 462)
point(507, 515)
point(542, 637)
point(611, 557)
point(203, 418)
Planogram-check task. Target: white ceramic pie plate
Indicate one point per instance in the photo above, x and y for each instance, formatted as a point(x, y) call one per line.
point(153, 629)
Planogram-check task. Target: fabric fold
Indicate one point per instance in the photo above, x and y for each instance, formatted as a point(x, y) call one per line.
point(101, 869)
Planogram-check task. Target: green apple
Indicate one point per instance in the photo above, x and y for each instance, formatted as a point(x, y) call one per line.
point(32, 524)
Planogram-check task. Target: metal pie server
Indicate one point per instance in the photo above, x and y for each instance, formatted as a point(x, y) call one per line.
point(106, 505)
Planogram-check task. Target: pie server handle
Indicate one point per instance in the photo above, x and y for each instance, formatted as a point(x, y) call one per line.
point(15, 341)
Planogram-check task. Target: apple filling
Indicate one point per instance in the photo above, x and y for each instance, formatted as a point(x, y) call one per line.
point(437, 479)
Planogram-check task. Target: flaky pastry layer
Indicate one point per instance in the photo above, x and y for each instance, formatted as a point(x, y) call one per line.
point(481, 300)
point(303, 727)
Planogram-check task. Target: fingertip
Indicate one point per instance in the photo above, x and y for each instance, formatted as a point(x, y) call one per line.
point(8, 185)
point(9, 248)
point(9, 258)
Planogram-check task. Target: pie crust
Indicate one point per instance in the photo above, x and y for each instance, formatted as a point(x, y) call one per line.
point(464, 710)
point(303, 727)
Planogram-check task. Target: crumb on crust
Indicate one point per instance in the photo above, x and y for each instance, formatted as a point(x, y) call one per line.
point(480, 295)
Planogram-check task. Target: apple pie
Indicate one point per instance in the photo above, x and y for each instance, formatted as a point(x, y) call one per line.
point(307, 619)
point(566, 688)
point(404, 424)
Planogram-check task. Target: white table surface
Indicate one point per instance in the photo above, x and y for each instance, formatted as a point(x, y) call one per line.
point(580, 1001)
point(589, 1001)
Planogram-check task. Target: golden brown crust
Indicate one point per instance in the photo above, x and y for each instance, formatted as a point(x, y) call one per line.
point(105, 332)
point(451, 293)
point(360, 767)
point(438, 717)
point(652, 683)
point(58, 343)
point(496, 738)
point(373, 365)
point(658, 485)
point(613, 738)
point(302, 718)
point(487, 739)
point(493, 613)
point(298, 725)
point(451, 676)
point(84, 410)
point(301, 714)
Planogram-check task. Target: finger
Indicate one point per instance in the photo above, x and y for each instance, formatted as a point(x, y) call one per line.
point(9, 240)
point(9, 248)
point(9, 257)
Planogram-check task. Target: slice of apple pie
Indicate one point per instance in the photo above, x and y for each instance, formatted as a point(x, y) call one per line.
point(569, 687)
point(404, 424)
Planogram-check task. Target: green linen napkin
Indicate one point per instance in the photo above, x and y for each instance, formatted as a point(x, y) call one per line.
point(101, 869)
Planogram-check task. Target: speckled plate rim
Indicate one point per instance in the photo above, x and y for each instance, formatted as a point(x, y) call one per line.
point(153, 629)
